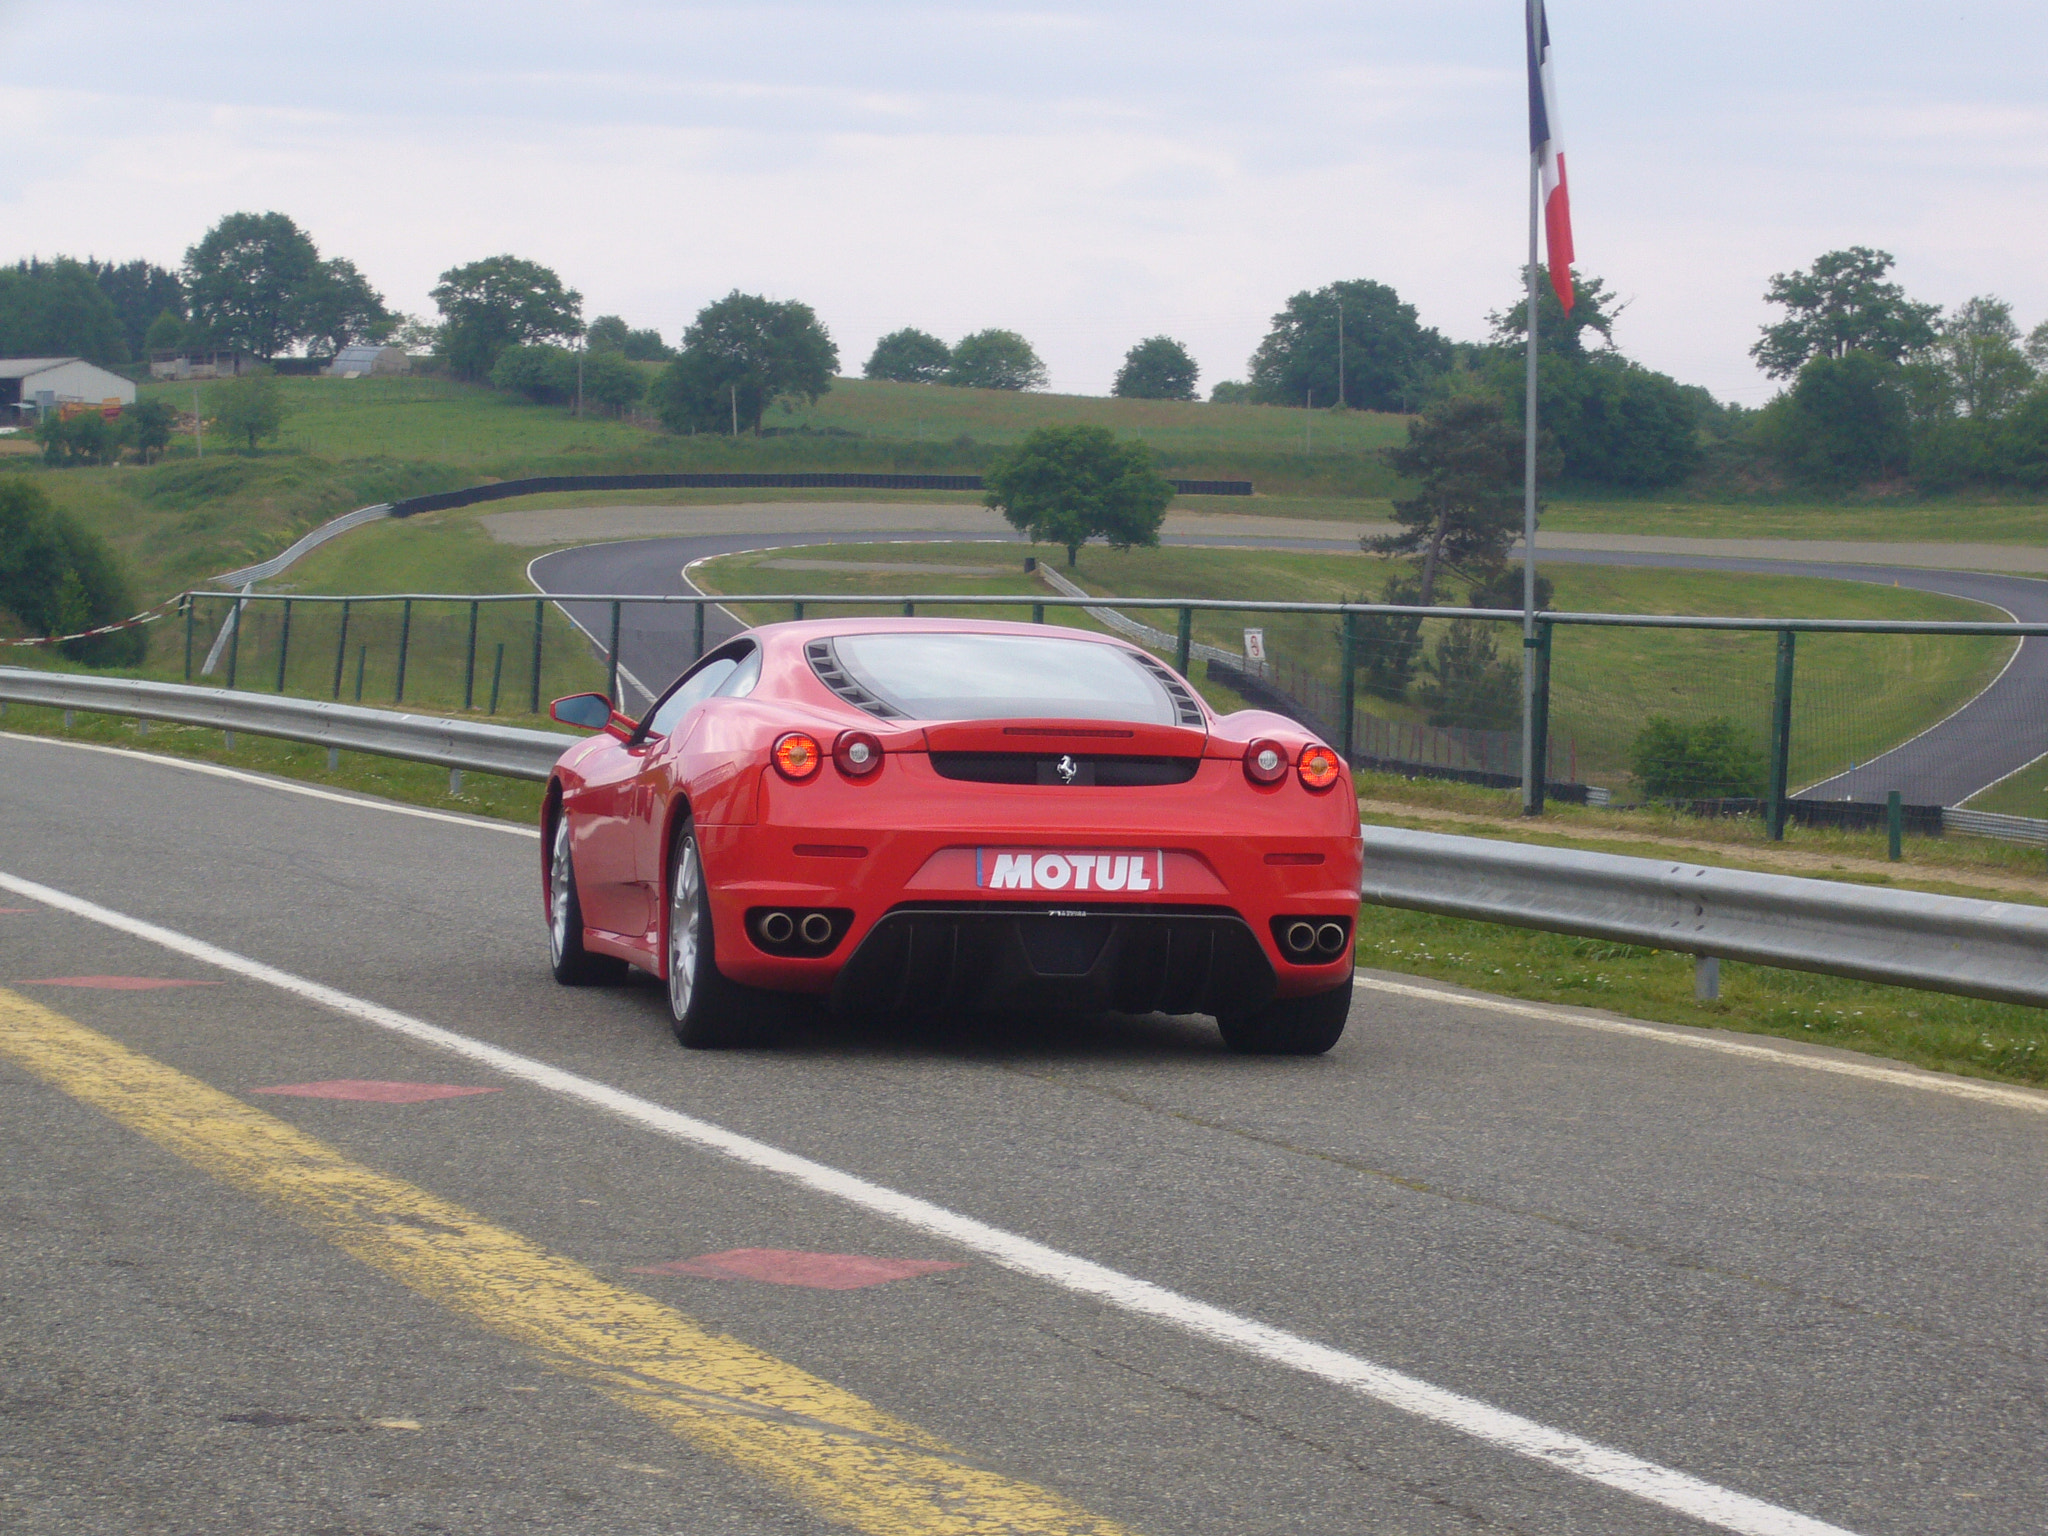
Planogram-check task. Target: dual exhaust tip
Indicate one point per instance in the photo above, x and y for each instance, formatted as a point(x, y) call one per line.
point(814, 928)
point(1305, 938)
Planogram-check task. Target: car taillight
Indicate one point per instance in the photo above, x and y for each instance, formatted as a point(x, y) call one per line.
point(857, 753)
point(1319, 766)
point(1265, 762)
point(797, 756)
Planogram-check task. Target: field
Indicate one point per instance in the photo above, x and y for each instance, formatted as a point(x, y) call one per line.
point(2021, 794)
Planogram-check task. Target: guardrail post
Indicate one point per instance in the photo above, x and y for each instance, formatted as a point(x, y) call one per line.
point(1038, 613)
point(1781, 739)
point(1706, 978)
point(540, 613)
point(1347, 682)
point(341, 648)
point(696, 634)
point(469, 661)
point(189, 606)
point(284, 643)
point(497, 675)
point(1894, 826)
point(612, 664)
point(1184, 641)
point(404, 640)
point(235, 636)
point(910, 610)
point(362, 665)
point(796, 610)
point(1539, 725)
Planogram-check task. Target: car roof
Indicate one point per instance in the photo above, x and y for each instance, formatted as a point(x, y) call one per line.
point(798, 631)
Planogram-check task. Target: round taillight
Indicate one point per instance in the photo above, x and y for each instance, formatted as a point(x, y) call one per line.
point(797, 756)
point(1319, 766)
point(857, 753)
point(1265, 762)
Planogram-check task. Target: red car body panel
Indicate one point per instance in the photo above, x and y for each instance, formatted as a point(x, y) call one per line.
point(906, 834)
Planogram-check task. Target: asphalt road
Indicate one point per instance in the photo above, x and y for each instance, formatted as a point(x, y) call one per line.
point(2001, 730)
point(1824, 1292)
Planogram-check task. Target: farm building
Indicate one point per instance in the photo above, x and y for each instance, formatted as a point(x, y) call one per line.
point(45, 383)
point(368, 360)
point(199, 365)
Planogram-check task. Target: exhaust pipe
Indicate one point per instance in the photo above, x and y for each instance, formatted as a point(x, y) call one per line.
point(776, 927)
point(1330, 938)
point(817, 929)
point(1301, 938)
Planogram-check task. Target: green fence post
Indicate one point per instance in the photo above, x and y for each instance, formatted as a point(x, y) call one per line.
point(362, 665)
point(469, 662)
point(235, 637)
point(497, 675)
point(1781, 739)
point(910, 610)
point(404, 640)
point(284, 643)
point(190, 605)
point(341, 648)
point(697, 632)
point(1038, 613)
point(1184, 641)
point(1539, 724)
point(1894, 826)
point(540, 613)
point(612, 663)
point(1347, 682)
point(796, 610)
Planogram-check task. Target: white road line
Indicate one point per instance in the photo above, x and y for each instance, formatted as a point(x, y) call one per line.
point(1954, 1087)
point(482, 824)
point(1588, 1459)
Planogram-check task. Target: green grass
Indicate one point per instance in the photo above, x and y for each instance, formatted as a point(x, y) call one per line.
point(1934, 520)
point(2021, 794)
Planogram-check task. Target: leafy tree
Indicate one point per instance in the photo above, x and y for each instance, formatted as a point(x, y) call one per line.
point(1465, 460)
point(1067, 485)
point(1709, 760)
point(147, 426)
point(610, 333)
point(251, 406)
point(1980, 348)
point(1389, 645)
point(612, 382)
point(740, 355)
point(545, 375)
point(84, 437)
point(338, 306)
point(166, 333)
point(1613, 422)
point(248, 279)
point(1390, 358)
point(1231, 392)
point(1157, 368)
point(909, 356)
point(1559, 334)
point(2022, 446)
point(2037, 347)
point(1842, 305)
point(1467, 684)
point(607, 333)
point(58, 579)
point(416, 336)
point(995, 360)
point(647, 347)
point(57, 309)
point(1845, 419)
point(139, 291)
point(500, 302)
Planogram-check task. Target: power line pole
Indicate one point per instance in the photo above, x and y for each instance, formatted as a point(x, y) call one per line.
point(1340, 354)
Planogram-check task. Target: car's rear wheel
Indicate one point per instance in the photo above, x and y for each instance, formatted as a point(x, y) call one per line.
point(573, 965)
point(1290, 1026)
point(709, 1011)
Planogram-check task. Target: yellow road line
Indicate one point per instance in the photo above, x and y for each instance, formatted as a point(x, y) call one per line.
point(838, 1454)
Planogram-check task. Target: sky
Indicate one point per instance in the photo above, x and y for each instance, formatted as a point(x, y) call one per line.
point(1088, 175)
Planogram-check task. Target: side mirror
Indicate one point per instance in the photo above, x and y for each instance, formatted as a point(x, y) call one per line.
point(585, 711)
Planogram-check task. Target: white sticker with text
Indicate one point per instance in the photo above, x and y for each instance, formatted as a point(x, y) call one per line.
point(1028, 869)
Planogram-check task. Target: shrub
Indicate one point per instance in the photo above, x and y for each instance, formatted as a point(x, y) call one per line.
point(1468, 684)
point(1706, 760)
point(545, 375)
point(85, 437)
point(58, 579)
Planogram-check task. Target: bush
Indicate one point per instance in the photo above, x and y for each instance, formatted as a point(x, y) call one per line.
point(612, 382)
point(85, 437)
point(58, 579)
point(1231, 392)
point(1468, 684)
point(1708, 760)
point(545, 375)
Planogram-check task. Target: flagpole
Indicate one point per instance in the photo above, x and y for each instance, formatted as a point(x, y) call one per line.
point(1530, 806)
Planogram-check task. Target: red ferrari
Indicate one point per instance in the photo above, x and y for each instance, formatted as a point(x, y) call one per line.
point(911, 815)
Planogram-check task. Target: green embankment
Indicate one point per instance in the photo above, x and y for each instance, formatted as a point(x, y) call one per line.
point(2021, 794)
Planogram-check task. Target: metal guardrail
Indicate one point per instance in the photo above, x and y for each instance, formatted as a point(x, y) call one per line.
point(1989, 949)
point(263, 570)
point(2005, 829)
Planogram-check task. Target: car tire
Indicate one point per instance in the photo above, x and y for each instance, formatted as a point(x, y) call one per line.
point(572, 964)
point(709, 1011)
point(1290, 1026)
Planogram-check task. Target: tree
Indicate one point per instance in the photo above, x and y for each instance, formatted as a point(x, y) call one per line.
point(1710, 760)
point(1558, 333)
point(147, 425)
point(545, 375)
point(607, 333)
point(1844, 420)
point(338, 306)
point(1465, 461)
point(1468, 685)
point(995, 360)
point(58, 579)
point(909, 356)
point(1157, 368)
point(500, 302)
point(1067, 485)
point(1389, 356)
point(740, 355)
point(1980, 349)
point(140, 291)
point(57, 309)
point(2037, 347)
point(612, 382)
point(166, 333)
point(84, 437)
point(1231, 392)
point(1842, 305)
point(250, 406)
point(610, 333)
point(248, 279)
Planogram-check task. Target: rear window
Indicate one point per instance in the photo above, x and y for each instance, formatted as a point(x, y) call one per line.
point(993, 677)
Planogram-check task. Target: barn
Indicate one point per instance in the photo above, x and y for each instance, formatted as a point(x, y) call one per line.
point(44, 383)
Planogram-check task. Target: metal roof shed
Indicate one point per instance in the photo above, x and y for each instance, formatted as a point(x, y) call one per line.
point(31, 383)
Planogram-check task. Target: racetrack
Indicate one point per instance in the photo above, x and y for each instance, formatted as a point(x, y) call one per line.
point(1820, 1294)
point(2001, 730)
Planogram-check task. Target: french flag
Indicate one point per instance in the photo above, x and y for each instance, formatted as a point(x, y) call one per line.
point(1546, 144)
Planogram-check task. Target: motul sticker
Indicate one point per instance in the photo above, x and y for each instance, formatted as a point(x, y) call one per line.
point(1027, 869)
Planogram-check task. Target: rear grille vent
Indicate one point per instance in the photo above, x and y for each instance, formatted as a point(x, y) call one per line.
point(1038, 768)
point(1185, 705)
point(826, 665)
